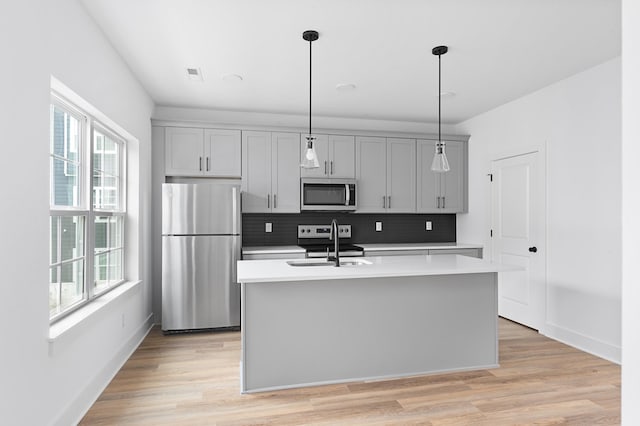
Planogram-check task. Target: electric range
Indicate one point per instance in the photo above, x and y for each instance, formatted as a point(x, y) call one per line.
point(315, 240)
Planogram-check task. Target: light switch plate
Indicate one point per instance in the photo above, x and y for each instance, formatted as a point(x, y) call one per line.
point(378, 226)
point(268, 227)
point(428, 225)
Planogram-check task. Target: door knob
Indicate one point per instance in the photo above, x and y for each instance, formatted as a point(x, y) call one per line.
point(533, 249)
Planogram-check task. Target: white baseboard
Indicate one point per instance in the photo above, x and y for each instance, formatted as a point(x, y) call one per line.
point(86, 397)
point(584, 343)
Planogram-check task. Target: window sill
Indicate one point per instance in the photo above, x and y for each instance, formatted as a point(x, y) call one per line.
point(73, 320)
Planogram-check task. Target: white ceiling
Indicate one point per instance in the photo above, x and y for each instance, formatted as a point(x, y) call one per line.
point(499, 50)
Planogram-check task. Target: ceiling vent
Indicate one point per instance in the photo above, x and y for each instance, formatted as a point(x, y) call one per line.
point(194, 74)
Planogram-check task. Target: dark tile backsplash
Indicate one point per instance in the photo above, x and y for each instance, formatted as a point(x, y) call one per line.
point(396, 228)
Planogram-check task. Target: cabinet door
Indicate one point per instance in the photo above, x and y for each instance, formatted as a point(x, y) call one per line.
point(342, 156)
point(452, 182)
point(256, 172)
point(285, 173)
point(184, 151)
point(428, 182)
point(371, 172)
point(401, 175)
point(321, 145)
point(223, 153)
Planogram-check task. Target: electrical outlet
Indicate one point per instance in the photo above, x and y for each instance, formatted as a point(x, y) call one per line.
point(378, 226)
point(268, 227)
point(428, 225)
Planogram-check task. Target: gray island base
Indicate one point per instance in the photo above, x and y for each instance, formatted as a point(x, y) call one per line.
point(435, 314)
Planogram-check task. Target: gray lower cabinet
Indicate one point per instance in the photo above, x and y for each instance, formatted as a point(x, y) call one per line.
point(471, 252)
point(268, 256)
point(441, 192)
point(270, 172)
point(396, 253)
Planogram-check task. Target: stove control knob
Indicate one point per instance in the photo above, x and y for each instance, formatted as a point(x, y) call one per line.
point(302, 231)
point(308, 230)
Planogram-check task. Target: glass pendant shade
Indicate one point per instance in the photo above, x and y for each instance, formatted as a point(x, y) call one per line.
point(310, 158)
point(440, 164)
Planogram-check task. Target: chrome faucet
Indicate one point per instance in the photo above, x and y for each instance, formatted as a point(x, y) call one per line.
point(333, 235)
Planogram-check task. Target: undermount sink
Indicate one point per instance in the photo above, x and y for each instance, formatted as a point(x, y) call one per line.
point(316, 262)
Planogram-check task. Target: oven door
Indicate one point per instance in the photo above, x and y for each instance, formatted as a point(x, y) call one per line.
point(327, 194)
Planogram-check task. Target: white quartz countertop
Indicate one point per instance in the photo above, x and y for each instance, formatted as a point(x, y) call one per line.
point(272, 250)
point(418, 246)
point(250, 271)
point(256, 250)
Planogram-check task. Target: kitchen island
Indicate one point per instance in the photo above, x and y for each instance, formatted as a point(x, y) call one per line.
point(386, 317)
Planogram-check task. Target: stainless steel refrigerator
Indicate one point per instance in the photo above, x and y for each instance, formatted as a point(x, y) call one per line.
point(201, 243)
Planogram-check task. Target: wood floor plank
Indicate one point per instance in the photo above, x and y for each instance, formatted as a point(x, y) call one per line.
point(193, 379)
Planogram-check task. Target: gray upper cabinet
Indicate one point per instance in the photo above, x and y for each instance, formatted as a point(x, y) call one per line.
point(202, 152)
point(270, 172)
point(401, 175)
point(336, 155)
point(386, 173)
point(223, 152)
point(285, 172)
point(184, 151)
point(371, 172)
point(441, 192)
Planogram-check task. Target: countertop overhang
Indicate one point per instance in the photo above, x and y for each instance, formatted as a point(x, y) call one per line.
point(277, 270)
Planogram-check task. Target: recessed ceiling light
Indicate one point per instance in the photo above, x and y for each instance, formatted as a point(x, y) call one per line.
point(345, 87)
point(194, 74)
point(232, 77)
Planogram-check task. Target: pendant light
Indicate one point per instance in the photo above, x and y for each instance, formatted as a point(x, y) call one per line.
point(310, 158)
point(440, 163)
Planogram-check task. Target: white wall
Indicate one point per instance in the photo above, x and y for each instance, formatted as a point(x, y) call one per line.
point(42, 383)
point(577, 121)
point(630, 212)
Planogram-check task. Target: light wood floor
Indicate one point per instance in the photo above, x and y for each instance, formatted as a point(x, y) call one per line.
point(194, 380)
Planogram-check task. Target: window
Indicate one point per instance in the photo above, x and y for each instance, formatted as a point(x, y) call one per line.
point(87, 213)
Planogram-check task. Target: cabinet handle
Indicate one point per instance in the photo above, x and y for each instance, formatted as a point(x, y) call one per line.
point(438, 202)
point(268, 201)
point(200, 164)
point(443, 198)
point(275, 203)
point(384, 202)
point(207, 163)
point(389, 203)
point(325, 167)
point(331, 166)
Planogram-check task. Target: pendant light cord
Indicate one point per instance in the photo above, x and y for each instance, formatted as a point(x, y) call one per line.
point(310, 87)
point(439, 100)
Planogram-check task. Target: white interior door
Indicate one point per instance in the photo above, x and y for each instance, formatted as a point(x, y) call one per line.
point(518, 217)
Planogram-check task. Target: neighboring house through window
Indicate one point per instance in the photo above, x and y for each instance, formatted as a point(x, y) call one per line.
point(87, 208)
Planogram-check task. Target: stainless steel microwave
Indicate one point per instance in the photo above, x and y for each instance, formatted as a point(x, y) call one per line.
point(328, 194)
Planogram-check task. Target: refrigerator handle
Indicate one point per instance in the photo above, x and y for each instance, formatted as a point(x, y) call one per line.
point(268, 201)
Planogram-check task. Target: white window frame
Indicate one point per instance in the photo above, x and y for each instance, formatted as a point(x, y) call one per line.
point(85, 206)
